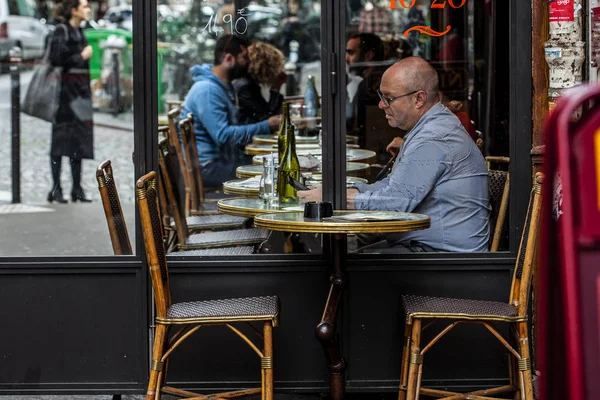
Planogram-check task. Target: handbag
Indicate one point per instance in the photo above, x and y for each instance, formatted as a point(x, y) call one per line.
point(43, 94)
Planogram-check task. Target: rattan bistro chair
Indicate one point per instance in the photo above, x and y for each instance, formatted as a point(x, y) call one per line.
point(195, 223)
point(499, 189)
point(117, 228)
point(187, 241)
point(189, 317)
point(198, 204)
point(418, 308)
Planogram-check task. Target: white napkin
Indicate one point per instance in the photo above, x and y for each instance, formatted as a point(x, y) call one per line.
point(308, 161)
point(250, 183)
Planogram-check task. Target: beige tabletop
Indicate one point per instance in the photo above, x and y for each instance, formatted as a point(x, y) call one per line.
point(352, 155)
point(352, 169)
point(250, 208)
point(272, 139)
point(305, 148)
point(233, 187)
point(296, 222)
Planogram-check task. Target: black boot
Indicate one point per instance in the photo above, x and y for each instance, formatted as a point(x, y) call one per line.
point(56, 192)
point(77, 193)
point(56, 195)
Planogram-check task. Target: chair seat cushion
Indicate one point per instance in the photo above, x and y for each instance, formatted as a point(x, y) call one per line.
point(226, 238)
point(213, 221)
point(221, 251)
point(440, 307)
point(226, 310)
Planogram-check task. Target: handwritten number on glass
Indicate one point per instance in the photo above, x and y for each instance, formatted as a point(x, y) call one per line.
point(240, 26)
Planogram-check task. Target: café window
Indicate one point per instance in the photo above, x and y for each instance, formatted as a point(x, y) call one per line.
point(226, 70)
point(466, 42)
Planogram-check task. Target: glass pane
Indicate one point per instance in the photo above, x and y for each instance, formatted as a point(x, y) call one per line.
point(458, 39)
point(50, 200)
point(220, 99)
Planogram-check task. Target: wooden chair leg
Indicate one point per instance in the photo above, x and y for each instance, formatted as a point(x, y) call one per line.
point(267, 362)
point(415, 360)
point(513, 368)
point(404, 367)
point(525, 363)
point(157, 353)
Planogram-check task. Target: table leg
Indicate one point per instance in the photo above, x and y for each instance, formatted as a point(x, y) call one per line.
point(326, 330)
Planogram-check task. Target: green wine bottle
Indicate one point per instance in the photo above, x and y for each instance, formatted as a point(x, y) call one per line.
point(285, 122)
point(289, 166)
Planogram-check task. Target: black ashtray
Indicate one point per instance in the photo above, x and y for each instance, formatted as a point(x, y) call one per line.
point(318, 209)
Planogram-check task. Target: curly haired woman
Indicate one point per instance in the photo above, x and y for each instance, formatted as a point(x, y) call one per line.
point(258, 96)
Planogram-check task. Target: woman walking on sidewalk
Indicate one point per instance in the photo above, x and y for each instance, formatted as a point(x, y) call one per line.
point(73, 128)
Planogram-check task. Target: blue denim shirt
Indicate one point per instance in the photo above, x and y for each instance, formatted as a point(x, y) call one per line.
point(439, 172)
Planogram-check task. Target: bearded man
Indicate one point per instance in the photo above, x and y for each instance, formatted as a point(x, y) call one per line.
point(211, 101)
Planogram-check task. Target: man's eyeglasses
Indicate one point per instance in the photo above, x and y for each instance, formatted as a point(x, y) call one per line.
point(388, 100)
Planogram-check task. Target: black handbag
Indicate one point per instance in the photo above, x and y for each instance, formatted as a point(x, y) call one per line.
point(43, 94)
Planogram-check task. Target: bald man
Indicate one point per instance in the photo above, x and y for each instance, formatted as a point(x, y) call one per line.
point(439, 171)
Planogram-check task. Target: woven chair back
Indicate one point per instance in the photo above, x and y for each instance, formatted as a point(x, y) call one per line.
point(499, 190)
point(192, 163)
point(117, 228)
point(174, 204)
point(521, 283)
point(147, 199)
point(173, 137)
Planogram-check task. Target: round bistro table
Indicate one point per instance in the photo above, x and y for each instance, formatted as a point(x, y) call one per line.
point(352, 155)
point(352, 169)
point(305, 148)
point(336, 232)
point(272, 139)
point(250, 208)
point(233, 188)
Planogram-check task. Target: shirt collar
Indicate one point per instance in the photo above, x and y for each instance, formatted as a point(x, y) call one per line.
point(438, 107)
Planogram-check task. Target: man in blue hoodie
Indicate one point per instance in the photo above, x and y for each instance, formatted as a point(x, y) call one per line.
point(211, 100)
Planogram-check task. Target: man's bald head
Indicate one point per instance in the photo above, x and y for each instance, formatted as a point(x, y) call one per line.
point(412, 86)
point(414, 73)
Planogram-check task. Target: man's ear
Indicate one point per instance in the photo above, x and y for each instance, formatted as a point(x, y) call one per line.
point(421, 98)
point(228, 59)
point(369, 55)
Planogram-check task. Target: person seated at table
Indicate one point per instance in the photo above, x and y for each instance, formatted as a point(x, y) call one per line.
point(439, 171)
point(363, 52)
point(257, 92)
point(211, 101)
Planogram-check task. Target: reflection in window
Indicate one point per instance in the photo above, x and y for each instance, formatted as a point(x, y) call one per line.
point(473, 85)
point(224, 73)
point(64, 139)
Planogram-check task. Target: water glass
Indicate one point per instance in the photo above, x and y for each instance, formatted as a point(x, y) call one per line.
point(268, 181)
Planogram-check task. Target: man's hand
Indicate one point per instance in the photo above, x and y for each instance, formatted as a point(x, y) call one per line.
point(274, 122)
point(395, 145)
point(86, 53)
point(350, 193)
point(314, 194)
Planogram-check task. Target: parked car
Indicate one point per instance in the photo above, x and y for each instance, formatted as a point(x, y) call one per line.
point(19, 25)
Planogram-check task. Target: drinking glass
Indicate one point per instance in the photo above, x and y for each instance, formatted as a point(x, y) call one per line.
point(269, 181)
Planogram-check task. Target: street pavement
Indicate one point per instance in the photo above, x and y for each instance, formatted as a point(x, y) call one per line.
point(36, 228)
